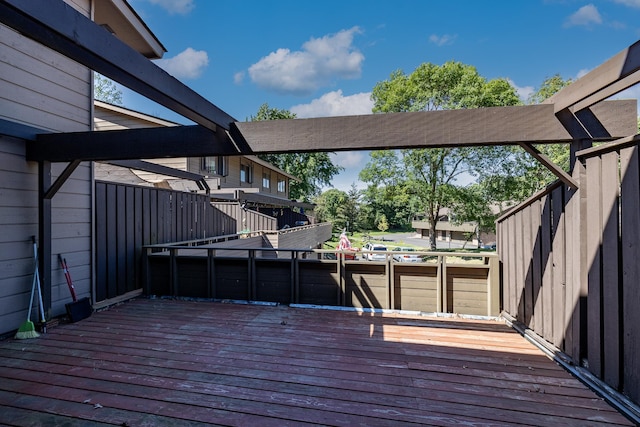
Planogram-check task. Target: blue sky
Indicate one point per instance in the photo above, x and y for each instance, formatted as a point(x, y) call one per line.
point(323, 58)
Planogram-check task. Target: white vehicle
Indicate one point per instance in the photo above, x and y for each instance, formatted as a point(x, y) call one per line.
point(405, 256)
point(372, 252)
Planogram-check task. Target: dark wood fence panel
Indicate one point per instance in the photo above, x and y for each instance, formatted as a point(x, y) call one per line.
point(630, 266)
point(128, 217)
point(572, 260)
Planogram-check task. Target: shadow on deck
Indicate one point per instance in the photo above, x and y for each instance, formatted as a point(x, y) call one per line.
point(168, 362)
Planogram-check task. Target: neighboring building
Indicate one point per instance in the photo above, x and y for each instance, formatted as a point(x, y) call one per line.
point(458, 234)
point(246, 180)
point(43, 91)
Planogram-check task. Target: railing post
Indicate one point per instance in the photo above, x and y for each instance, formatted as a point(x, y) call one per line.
point(173, 272)
point(145, 270)
point(251, 276)
point(443, 284)
point(389, 267)
point(294, 263)
point(211, 273)
point(342, 289)
point(493, 287)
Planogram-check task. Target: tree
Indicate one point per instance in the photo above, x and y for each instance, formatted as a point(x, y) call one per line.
point(340, 208)
point(519, 175)
point(105, 90)
point(314, 170)
point(383, 225)
point(432, 174)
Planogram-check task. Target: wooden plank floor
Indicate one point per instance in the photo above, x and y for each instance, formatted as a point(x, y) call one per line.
point(165, 362)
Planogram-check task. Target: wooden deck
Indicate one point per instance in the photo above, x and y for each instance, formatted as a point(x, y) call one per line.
point(162, 362)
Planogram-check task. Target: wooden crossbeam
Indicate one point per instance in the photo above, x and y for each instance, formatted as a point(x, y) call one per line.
point(530, 124)
point(146, 143)
point(60, 27)
point(613, 76)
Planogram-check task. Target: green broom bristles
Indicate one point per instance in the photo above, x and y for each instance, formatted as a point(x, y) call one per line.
point(27, 330)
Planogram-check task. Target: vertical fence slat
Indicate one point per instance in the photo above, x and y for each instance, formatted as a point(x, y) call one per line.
point(630, 226)
point(546, 316)
point(101, 241)
point(130, 249)
point(111, 239)
point(537, 313)
point(519, 260)
point(611, 307)
point(527, 262)
point(511, 278)
point(594, 240)
point(121, 241)
point(562, 315)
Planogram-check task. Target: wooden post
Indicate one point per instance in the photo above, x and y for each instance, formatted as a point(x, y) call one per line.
point(211, 273)
point(173, 272)
point(44, 234)
point(493, 287)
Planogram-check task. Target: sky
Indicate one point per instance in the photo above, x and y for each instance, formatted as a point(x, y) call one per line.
point(323, 58)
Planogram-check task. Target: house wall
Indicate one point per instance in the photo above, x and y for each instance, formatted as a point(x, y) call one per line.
point(106, 119)
point(42, 89)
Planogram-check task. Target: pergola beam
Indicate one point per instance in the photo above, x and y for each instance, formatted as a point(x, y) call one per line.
point(531, 124)
point(131, 144)
point(611, 77)
point(60, 27)
point(557, 171)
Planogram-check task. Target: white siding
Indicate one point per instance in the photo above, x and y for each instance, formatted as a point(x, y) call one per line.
point(43, 89)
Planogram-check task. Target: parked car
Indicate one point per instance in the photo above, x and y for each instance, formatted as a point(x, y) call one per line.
point(406, 257)
point(371, 252)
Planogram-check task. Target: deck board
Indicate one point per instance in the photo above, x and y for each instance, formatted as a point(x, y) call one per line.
point(166, 362)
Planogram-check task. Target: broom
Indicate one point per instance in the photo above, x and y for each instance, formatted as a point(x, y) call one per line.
point(28, 329)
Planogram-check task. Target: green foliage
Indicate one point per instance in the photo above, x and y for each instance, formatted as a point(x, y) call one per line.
point(340, 208)
point(549, 87)
point(105, 90)
point(429, 176)
point(314, 170)
point(383, 225)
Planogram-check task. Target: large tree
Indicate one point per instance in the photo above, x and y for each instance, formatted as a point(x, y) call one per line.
point(519, 175)
point(433, 174)
point(314, 170)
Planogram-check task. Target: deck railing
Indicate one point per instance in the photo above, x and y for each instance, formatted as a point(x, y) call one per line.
point(459, 283)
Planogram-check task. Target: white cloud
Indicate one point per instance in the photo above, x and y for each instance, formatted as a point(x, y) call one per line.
point(630, 3)
point(188, 64)
point(304, 71)
point(335, 104)
point(442, 40)
point(238, 77)
point(584, 16)
point(524, 92)
point(181, 7)
point(349, 159)
point(582, 72)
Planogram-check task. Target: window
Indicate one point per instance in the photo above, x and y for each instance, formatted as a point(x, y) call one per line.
point(246, 172)
point(282, 186)
point(210, 165)
point(266, 180)
point(215, 165)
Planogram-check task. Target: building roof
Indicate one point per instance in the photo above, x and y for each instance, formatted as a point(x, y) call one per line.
point(120, 19)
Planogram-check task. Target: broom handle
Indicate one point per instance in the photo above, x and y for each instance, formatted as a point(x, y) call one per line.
point(67, 275)
point(35, 276)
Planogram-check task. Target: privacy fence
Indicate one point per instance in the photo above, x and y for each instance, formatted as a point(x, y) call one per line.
point(128, 217)
point(571, 265)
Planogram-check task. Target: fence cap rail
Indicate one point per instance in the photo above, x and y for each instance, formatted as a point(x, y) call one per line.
point(616, 145)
